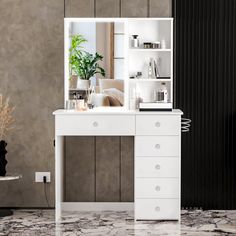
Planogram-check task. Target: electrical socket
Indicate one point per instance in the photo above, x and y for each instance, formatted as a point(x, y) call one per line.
point(39, 176)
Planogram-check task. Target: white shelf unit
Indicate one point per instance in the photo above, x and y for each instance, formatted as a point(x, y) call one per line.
point(151, 80)
point(150, 50)
point(151, 30)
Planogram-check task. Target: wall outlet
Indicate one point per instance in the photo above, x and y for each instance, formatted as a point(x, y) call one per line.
point(39, 176)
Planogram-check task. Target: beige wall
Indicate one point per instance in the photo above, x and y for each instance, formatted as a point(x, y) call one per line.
point(31, 73)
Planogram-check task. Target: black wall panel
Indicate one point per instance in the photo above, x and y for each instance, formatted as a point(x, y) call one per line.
point(205, 90)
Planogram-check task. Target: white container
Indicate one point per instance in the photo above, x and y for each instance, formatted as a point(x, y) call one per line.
point(80, 105)
point(163, 44)
point(135, 41)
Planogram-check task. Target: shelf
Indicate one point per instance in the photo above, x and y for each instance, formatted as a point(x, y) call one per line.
point(77, 89)
point(163, 79)
point(150, 50)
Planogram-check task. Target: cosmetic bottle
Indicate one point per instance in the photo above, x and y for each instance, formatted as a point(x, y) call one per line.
point(135, 41)
point(151, 69)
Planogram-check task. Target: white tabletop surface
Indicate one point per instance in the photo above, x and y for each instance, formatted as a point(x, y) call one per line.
point(115, 111)
point(10, 177)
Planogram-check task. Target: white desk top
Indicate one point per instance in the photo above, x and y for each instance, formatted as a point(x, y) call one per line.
point(115, 111)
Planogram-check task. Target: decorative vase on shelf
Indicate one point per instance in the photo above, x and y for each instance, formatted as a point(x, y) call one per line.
point(83, 84)
point(3, 161)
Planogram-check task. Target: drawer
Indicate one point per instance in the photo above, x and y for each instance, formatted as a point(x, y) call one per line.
point(157, 167)
point(157, 146)
point(95, 125)
point(158, 125)
point(157, 209)
point(157, 188)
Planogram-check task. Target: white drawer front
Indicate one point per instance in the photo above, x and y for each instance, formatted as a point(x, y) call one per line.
point(157, 188)
point(157, 209)
point(157, 167)
point(157, 145)
point(95, 125)
point(158, 125)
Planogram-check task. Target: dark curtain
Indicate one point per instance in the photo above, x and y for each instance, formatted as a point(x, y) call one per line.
point(205, 89)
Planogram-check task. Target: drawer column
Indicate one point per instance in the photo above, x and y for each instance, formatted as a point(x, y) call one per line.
point(157, 166)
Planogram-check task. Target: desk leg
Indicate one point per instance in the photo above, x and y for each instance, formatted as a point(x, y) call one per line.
point(59, 175)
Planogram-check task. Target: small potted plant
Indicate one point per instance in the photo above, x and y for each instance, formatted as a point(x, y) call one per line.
point(83, 64)
point(6, 122)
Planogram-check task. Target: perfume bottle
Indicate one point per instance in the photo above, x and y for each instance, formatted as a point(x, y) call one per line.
point(91, 94)
point(139, 99)
point(135, 41)
point(151, 69)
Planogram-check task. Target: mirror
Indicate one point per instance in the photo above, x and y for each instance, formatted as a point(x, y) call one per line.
point(94, 62)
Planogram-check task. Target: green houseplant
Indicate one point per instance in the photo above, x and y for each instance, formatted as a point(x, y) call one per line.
point(83, 64)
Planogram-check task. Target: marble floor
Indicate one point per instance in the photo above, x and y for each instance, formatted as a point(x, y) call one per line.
point(41, 222)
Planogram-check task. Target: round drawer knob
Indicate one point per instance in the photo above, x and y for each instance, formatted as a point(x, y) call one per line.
point(157, 146)
point(158, 188)
point(157, 209)
point(157, 124)
point(157, 167)
point(95, 124)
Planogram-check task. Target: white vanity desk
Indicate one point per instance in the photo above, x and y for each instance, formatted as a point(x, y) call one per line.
point(157, 154)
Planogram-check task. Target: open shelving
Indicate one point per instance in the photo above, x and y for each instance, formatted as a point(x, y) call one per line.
point(151, 30)
point(129, 60)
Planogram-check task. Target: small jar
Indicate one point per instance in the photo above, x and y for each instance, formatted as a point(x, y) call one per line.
point(147, 45)
point(80, 105)
point(156, 45)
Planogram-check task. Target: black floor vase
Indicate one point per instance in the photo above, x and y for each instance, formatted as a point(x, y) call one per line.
point(3, 161)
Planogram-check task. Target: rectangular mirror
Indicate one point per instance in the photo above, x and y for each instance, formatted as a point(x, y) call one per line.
point(95, 61)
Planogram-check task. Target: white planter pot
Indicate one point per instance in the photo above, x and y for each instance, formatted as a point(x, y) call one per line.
point(83, 84)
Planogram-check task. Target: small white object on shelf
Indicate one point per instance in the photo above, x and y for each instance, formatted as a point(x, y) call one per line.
point(163, 44)
point(10, 177)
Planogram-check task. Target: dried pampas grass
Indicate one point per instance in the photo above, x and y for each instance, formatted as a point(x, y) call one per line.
point(6, 118)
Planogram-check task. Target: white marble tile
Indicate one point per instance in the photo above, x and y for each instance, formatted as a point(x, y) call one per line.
point(41, 222)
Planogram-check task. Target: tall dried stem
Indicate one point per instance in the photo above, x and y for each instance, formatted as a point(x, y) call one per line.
point(6, 118)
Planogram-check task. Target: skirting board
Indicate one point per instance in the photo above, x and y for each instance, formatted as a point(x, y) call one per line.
point(97, 206)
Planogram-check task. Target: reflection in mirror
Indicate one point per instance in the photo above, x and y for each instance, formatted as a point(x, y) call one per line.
point(96, 62)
